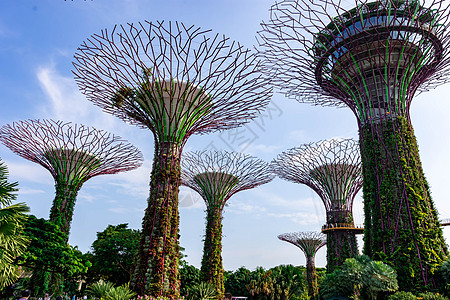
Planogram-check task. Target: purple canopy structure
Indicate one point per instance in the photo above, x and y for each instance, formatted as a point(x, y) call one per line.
point(217, 176)
point(332, 169)
point(175, 81)
point(309, 243)
point(372, 57)
point(72, 153)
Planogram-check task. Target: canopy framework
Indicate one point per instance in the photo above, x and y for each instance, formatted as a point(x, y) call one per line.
point(309, 242)
point(373, 58)
point(332, 168)
point(72, 153)
point(176, 81)
point(217, 176)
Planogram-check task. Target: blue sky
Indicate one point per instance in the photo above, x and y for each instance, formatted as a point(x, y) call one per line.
point(37, 41)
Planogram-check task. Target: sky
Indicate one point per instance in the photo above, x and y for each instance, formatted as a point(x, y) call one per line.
point(38, 39)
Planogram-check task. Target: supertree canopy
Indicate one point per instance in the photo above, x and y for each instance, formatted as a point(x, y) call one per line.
point(309, 243)
point(176, 81)
point(72, 153)
point(332, 169)
point(372, 58)
point(217, 176)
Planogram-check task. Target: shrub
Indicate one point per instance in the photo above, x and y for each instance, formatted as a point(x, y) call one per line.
point(431, 296)
point(203, 290)
point(402, 296)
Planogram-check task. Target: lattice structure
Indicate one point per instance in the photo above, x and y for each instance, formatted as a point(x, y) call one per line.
point(332, 169)
point(372, 57)
point(72, 153)
point(176, 81)
point(309, 243)
point(217, 176)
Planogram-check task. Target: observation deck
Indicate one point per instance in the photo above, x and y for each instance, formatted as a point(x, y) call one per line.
point(376, 52)
point(357, 229)
point(444, 222)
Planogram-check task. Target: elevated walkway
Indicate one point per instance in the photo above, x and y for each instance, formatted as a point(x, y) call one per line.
point(357, 229)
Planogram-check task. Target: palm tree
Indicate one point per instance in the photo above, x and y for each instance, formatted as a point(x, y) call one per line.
point(12, 219)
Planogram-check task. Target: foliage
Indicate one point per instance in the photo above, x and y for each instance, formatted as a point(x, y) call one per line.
point(114, 253)
point(212, 267)
point(203, 290)
point(398, 207)
point(49, 255)
point(340, 246)
point(282, 283)
point(445, 271)
point(12, 218)
point(120, 293)
point(431, 296)
point(158, 257)
point(402, 295)
point(99, 290)
point(235, 282)
point(189, 277)
point(359, 277)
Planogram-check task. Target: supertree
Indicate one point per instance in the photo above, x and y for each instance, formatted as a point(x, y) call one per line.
point(217, 176)
point(309, 242)
point(176, 81)
point(72, 153)
point(372, 58)
point(332, 169)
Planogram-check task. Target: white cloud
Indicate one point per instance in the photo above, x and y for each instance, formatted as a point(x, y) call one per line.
point(28, 171)
point(301, 218)
point(28, 191)
point(68, 104)
point(259, 149)
point(238, 207)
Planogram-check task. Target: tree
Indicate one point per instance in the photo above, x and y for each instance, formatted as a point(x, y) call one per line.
point(12, 218)
point(49, 257)
point(114, 253)
point(361, 278)
point(235, 282)
point(189, 277)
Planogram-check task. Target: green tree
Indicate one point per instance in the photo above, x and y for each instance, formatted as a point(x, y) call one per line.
point(114, 253)
point(235, 282)
point(12, 219)
point(49, 257)
point(189, 277)
point(360, 278)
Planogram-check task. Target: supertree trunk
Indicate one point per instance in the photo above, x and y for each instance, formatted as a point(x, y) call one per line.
point(159, 249)
point(311, 278)
point(401, 222)
point(61, 212)
point(216, 176)
point(341, 245)
point(212, 267)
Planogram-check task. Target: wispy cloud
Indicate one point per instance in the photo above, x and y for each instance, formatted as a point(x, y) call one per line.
point(28, 191)
point(29, 171)
point(68, 104)
point(259, 149)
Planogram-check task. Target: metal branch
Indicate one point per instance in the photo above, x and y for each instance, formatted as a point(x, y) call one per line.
point(217, 176)
point(332, 168)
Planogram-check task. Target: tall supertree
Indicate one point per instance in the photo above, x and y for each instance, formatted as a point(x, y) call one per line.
point(372, 58)
point(176, 81)
point(217, 176)
point(72, 153)
point(332, 169)
point(309, 242)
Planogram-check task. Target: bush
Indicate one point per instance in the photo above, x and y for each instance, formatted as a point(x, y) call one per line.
point(431, 296)
point(402, 296)
point(204, 290)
